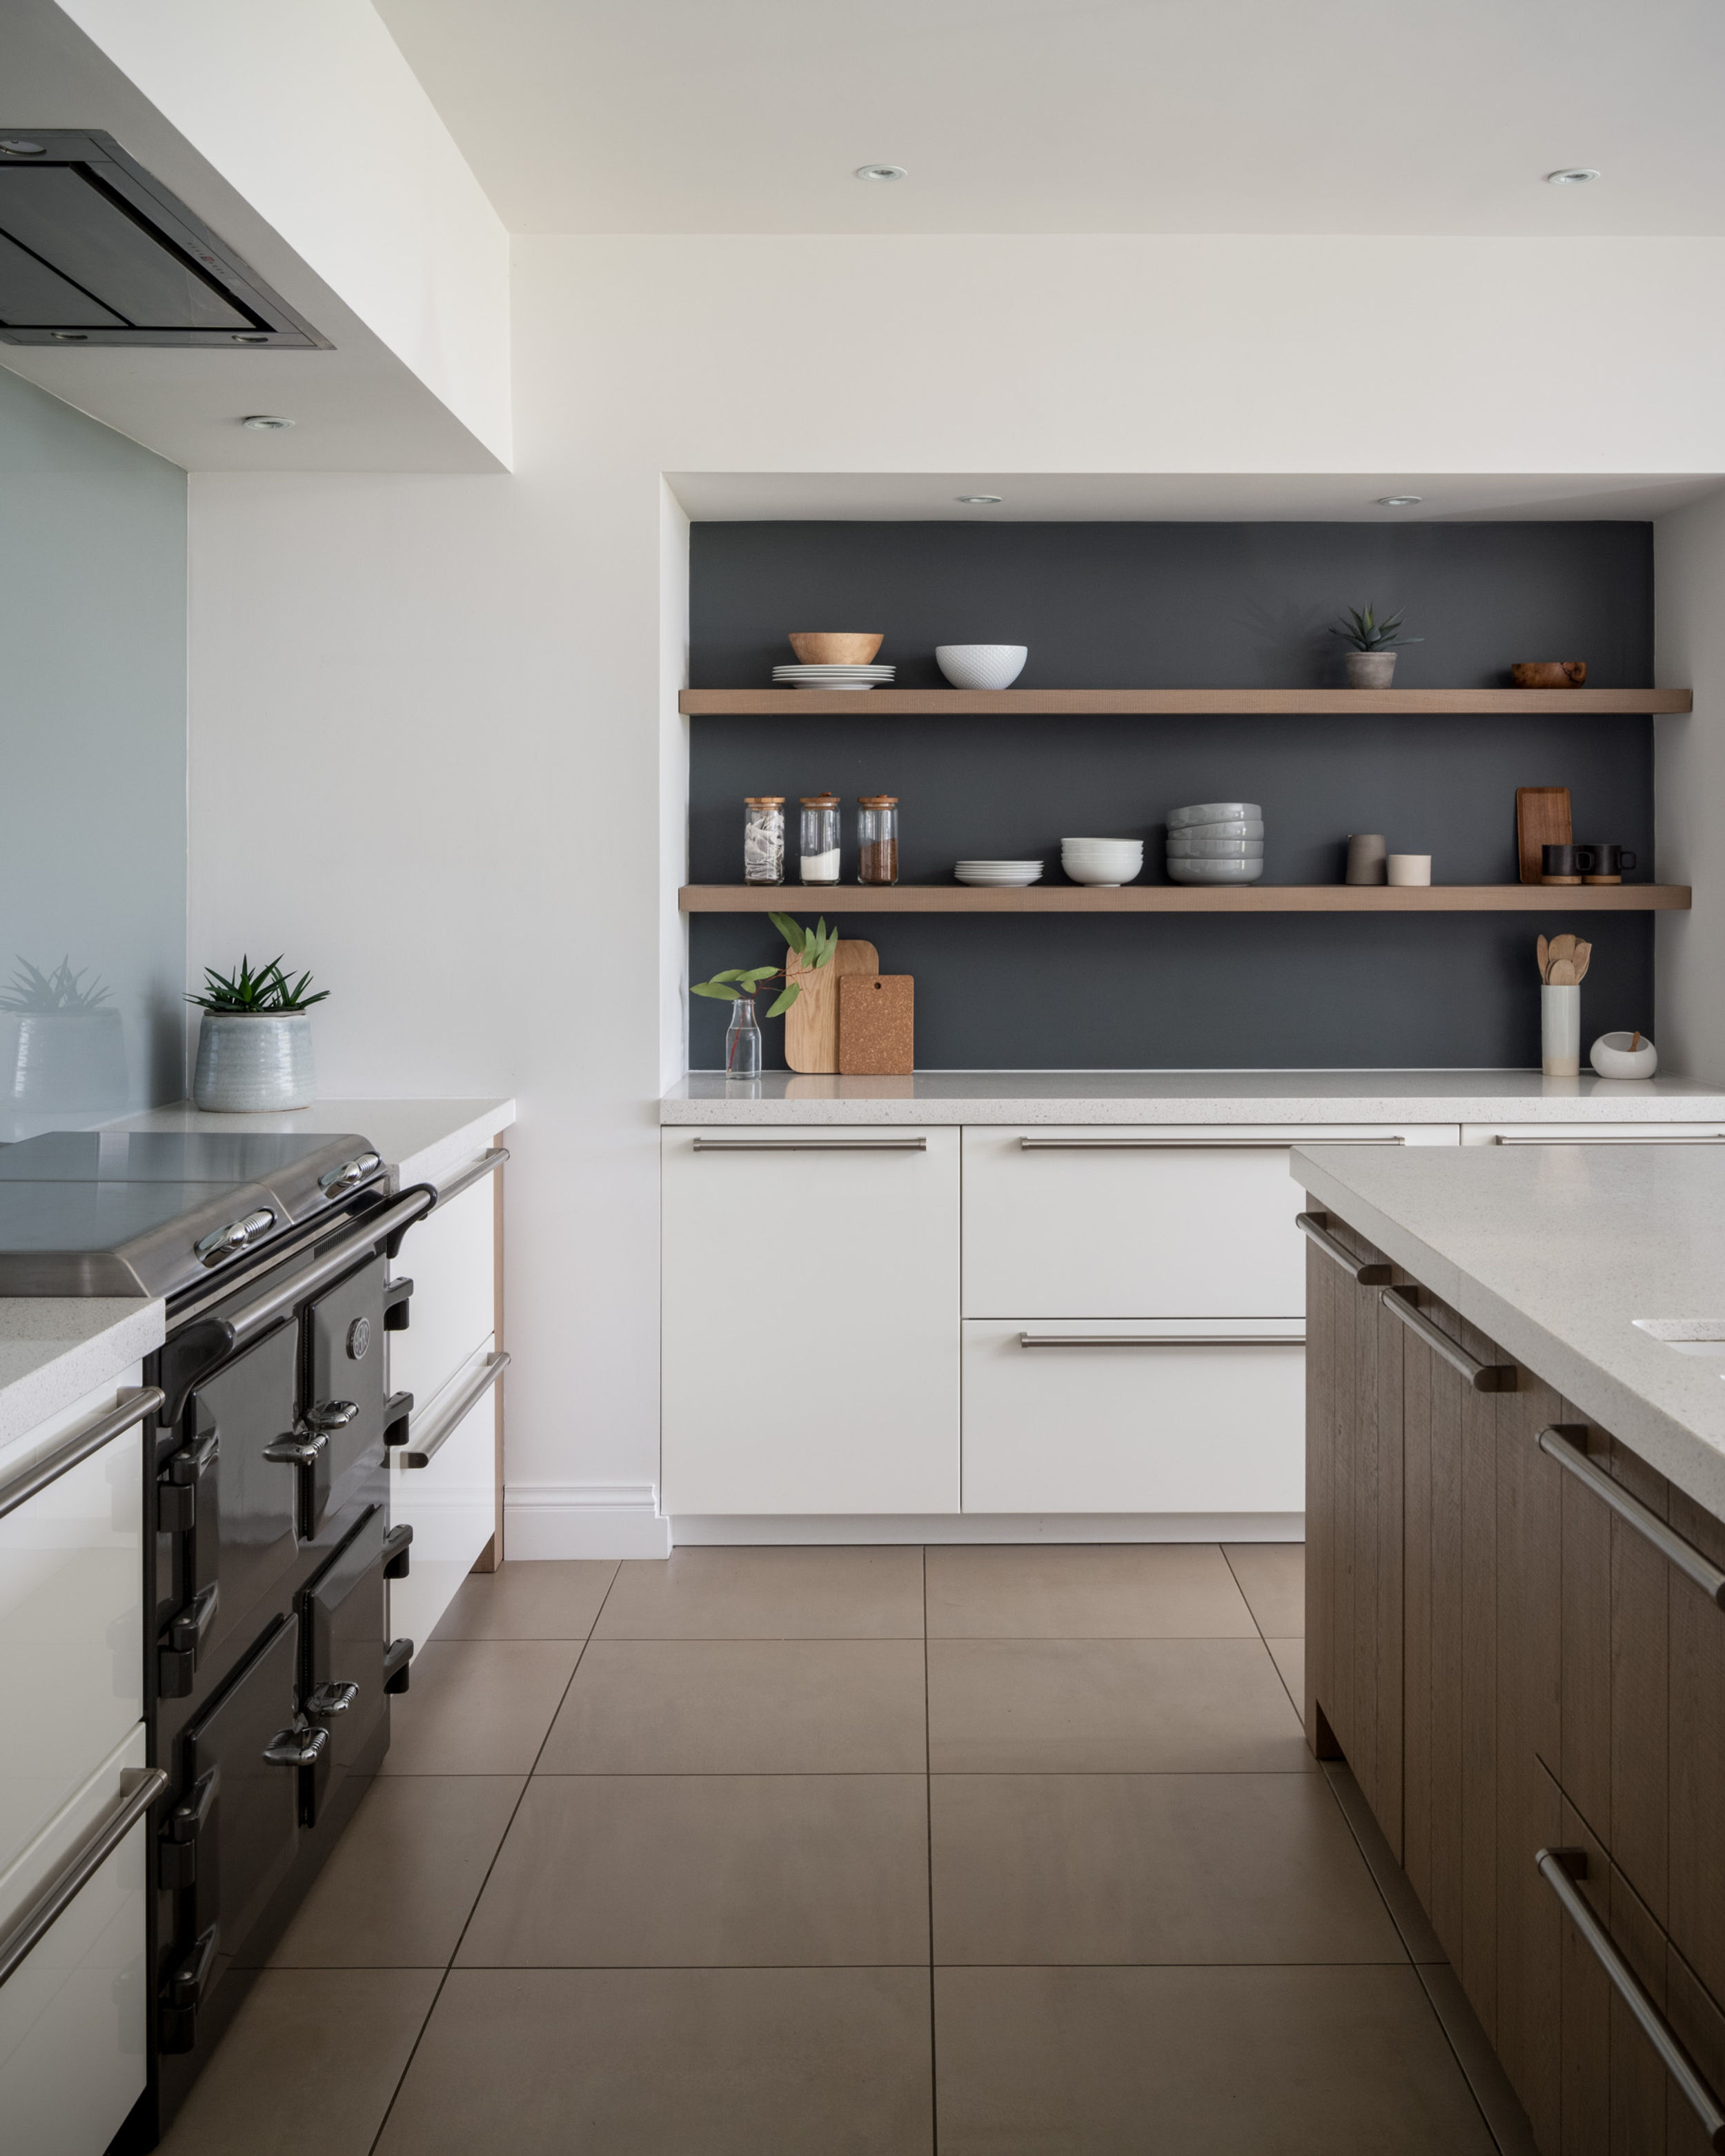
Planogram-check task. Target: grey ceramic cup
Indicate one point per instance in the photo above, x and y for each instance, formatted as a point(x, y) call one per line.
point(1366, 856)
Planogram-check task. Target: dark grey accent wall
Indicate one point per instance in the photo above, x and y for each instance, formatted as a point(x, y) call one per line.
point(1189, 606)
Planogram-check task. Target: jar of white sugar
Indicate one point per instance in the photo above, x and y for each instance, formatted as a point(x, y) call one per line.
point(820, 838)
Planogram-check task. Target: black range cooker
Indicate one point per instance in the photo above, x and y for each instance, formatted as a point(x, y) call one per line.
point(269, 1666)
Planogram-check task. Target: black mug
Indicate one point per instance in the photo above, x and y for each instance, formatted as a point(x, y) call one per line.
point(1562, 864)
point(1604, 863)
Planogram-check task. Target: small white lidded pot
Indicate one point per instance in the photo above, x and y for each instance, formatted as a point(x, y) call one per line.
point(1612, 1056)
point(1409, 870)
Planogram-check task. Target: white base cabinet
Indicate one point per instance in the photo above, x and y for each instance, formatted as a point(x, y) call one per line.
point(811, 1322)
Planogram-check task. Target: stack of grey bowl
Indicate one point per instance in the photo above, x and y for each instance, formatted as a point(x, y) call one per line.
point(1216, 842)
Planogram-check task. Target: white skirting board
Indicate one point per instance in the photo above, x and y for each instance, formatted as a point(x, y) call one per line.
point(995, 1527)
point(583, 1519)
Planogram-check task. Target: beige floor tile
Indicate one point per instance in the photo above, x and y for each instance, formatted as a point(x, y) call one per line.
point(313, 2054)
point(742, 1706)
point(404, 1878)
point(671, 2062)
point(553, 1599)
point(1206, 2061)
point(1150, 1591)
point(1006, 1706)
point(767, 1594)
point(1272, 1577)
point(629, 1871)
point(1289, 1658)
point(1405, 1912)
point(479, 1706)
point(1048, 1868)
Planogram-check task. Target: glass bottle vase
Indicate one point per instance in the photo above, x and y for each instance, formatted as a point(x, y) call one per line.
point(742, 1040)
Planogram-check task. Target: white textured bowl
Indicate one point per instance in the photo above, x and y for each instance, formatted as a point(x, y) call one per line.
point(1214, 871)
point(1237, 827)
point(1103, 845)
point(1214, 812)
point(1612, 1056)
point(1216, 850)
point(1102, 876)
point(981, 665)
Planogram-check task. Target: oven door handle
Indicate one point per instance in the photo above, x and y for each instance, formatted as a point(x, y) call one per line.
point(251, 1317)
point(295, 1746)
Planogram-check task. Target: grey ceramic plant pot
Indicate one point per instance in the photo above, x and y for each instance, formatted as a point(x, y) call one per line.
point(251, 1061)
point(1370, 669)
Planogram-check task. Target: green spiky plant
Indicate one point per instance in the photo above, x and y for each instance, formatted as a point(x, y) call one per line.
point(1361, 630)
point(814, 946)
point(266, 990)
point(61, 990)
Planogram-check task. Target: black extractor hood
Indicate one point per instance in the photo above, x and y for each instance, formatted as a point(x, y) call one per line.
point(93, 250)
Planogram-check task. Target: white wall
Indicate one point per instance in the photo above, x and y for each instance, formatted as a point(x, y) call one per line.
point(311, 113)
point(451, 698)
point(1689, 769)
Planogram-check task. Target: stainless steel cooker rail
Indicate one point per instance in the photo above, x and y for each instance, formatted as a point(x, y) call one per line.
point(251, 1317)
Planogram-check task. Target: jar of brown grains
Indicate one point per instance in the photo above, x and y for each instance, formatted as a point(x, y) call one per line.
point(877, 838)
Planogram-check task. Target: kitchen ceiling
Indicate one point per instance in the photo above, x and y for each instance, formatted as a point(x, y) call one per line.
point(1084, 115)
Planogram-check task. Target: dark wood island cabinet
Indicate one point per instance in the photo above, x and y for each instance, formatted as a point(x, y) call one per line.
point(1515, 1639)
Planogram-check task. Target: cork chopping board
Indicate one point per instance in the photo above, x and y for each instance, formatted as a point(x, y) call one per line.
point(1542, 820)
point(811, 1024)
point(876, 1026)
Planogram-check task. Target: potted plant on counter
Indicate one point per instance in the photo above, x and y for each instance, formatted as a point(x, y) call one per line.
point(254, 1043)
point(739, 985)
point(1372, 646)
point(70, 1049)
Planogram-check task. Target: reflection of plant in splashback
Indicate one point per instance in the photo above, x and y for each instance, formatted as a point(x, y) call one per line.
point(61, 990)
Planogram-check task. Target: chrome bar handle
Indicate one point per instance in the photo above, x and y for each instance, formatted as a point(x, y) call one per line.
point(251, 1316)
point(1560, 1868)
point(1614, 1138)
point(421, 1454)
point(1162, 1340)
point(140, 1787)
point(488, 1163)
point(1220, 1144)
point(1364, 1272)
point(1482, 1377)
point(810, 1145)
point(134, 1403)
point(1558, 1441)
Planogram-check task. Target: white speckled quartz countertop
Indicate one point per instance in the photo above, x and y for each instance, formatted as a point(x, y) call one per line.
point(423, 1141)
point(1187, 1096)
point(1554, 1251)
point(53, 1349)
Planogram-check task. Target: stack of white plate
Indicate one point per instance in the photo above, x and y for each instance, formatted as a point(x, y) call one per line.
point(1215, 842)
point(1002, 875)
point(1105, 862)
point(833, 677)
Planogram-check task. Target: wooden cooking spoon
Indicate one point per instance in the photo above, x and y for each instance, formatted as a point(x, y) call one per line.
point(1563, 974)
point(1584, 958)
point(1544, 957)
point(1563, 946)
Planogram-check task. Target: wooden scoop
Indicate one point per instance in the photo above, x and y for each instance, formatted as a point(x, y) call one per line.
point(1563, 946)
point(1563, 974)
point(1544, 957)
point(1584, 959)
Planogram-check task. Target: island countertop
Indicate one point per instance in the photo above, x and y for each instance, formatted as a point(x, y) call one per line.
point(1555, 1251)
point(1186, 1096)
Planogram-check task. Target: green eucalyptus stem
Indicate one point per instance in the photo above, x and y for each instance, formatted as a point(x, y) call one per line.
point(814, 946)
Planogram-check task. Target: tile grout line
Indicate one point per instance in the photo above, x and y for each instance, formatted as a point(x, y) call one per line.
point(1299, 1706)
point(934, 2108)
point(527, 1783)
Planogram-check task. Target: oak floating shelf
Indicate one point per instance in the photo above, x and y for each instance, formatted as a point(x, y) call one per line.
point(1178, 703)
point(1188, 898)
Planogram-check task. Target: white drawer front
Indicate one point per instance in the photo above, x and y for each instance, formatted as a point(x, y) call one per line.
point(811, 1322)
point(450, 1258)
point(452, 1504)
point(1164, 1222)
point(1150, 1426)
point(1538, 1134)
point(72, 2015)
point(71, 1628)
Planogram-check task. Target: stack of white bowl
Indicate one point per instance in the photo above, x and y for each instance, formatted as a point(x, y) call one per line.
point(1105, 862)
point(1005, 875)
point(1215, 842)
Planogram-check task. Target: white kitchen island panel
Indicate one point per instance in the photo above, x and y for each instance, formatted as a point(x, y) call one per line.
point(1137, 1417)
point(811, 1322)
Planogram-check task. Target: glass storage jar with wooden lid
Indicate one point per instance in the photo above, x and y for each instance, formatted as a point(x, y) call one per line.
point(877, 838)
point(763, 838)
point(820, 838)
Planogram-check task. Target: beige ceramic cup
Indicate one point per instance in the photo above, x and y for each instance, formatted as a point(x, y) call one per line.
point(1409, 869)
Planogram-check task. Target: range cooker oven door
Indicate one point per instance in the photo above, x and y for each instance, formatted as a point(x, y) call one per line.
point(351, 1667)
point(233, 1833)
point(226, 1501)
point(345, 1409)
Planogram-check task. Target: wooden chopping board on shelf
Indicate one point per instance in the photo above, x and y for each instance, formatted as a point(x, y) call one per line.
point(811, 1024)
point(1542, 819)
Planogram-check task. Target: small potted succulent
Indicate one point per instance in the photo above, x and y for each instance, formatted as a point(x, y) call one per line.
point(1372, 646)
point(69, 1051)
point(254, 1043)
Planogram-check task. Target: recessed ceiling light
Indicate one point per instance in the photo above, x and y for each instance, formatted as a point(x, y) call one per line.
point(882, 172)
point(980, 500)
point(1399, 500)
point(15, 147)
point(71, 336)
point(1571, 176)
point(266, 423)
